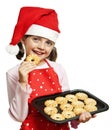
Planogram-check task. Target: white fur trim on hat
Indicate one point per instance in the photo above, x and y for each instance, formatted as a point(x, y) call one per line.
point(12, 49)
point(45, 32)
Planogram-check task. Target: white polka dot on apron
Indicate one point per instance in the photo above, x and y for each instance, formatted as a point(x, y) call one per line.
point(41, 87)
point(34, 89)
point(52, 89)
point(32, 129)
point(30, 82)
point(58, 88)
point(27, 124)
point(49, 77)
point(40, 73)
point(33, 73)
point(36, 94)
point(47, 124)
point(37, 79)
point(46, 70)
point(45, 89)
point(43, 82)
point(53, 82)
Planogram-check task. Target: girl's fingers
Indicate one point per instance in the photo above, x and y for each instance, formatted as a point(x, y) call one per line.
point(24, 69)
point(84, 117)
point(93, 116)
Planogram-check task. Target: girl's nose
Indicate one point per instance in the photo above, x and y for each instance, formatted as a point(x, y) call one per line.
point(41, 45)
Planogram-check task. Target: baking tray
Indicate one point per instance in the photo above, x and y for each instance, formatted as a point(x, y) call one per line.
point(38, 103)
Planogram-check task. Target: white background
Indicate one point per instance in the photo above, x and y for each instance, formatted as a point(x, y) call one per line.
point(84, 48)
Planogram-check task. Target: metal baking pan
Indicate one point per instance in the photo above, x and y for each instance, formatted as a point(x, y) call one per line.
point(38, 103)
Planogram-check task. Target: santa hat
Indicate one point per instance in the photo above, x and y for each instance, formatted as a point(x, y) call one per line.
point(34, 21)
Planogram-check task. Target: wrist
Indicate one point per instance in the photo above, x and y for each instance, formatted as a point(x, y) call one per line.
point(74, 124)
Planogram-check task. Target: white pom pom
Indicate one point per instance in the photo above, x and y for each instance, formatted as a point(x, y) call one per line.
point(12, 49)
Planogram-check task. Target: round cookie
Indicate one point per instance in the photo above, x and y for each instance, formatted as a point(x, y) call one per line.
point(67, 107)
point(57, 116)
point(78, 111)
point(68, 114)
point(71, 97)
point(81, 95)
point(78, 104)
point(61, 100)
point(50, 110)
point(51, 103)
point(90, 101)
point(90, 108)
point(33, 58)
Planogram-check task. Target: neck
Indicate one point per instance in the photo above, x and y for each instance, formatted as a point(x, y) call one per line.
point(42, 62)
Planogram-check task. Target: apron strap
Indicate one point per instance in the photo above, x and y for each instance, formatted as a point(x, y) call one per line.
point(47, 63)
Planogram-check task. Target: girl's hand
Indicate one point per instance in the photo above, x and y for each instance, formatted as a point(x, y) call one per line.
point(84, 117)
point(24, 70)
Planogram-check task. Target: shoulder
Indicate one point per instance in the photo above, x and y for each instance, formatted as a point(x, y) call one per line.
point(13, 72)
point(55, 65)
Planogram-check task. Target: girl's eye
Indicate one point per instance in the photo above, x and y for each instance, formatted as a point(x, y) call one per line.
point(35, 38)
point(49, 43)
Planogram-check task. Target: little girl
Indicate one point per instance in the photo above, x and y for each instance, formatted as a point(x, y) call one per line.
point(36, 32)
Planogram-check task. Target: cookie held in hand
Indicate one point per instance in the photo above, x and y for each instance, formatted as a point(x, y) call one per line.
point(33, 58)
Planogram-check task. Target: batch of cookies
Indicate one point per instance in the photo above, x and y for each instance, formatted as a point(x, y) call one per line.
point(68, 106)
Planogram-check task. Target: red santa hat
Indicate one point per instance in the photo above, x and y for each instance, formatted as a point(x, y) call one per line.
point(34, 21)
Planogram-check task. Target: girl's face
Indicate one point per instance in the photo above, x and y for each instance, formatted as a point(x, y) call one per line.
point(40, 46)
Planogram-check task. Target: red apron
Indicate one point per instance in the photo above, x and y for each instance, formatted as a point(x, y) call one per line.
point(43, 82)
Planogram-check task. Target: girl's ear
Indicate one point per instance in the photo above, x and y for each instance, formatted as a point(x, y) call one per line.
point(22, 40)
